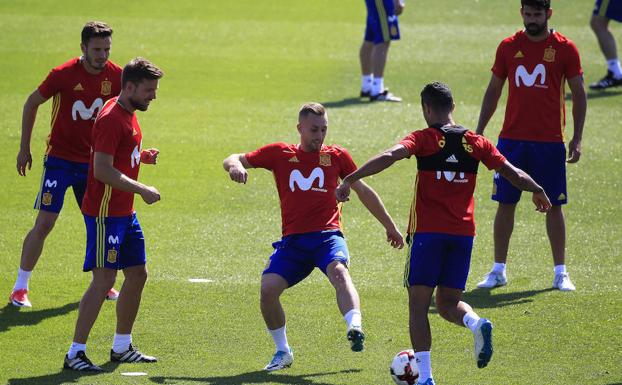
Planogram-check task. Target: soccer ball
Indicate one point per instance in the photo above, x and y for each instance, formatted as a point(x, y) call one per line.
point(404, 369)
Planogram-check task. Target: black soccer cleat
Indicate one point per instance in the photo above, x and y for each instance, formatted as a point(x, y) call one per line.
point(81, 363)
point(131, 355)
point(607, 82)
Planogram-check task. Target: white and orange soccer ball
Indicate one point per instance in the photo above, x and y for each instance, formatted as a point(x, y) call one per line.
point(404, 368)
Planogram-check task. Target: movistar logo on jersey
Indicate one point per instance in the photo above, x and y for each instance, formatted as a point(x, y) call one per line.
point(452, 176)
point(529, 79)
point(50, 183)
point(113, 240)
point(306, 183)
point(85, 113)
point(135, 157)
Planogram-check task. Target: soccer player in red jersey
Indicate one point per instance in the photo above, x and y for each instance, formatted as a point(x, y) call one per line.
point(441, 226)
point(537, 63)
point(80, 87)
point(306, 175)
point(114, 238)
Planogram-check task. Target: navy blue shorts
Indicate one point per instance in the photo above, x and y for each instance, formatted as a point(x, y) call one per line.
point(58, 175)
point(436, 259)
point(382, 22)
point(114, 242)
point(611, 9)
point(295, 256)
point(545, 162)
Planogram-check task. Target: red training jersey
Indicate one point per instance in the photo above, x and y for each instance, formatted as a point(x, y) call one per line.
point(536, 73)
point(116, 132)
point(443, 200)
point(78, 97)
point(306, 182)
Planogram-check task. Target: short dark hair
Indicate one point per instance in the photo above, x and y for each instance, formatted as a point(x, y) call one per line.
point(138, 70)
point(539, 4)
point(95, 29)
point(437, 96)
point(311, 108)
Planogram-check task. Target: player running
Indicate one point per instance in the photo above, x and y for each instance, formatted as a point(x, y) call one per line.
point(537, 63)
point(80, 88)
point(306, 176)
point(441, 226)
point(114, 238)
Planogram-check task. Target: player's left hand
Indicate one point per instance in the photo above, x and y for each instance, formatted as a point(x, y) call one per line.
point(149, 156)
point(398, 5)
point(574, 151)
point(395, 238)
point(342, 193)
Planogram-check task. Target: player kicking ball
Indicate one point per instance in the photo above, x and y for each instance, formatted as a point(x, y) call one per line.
point(306, 176)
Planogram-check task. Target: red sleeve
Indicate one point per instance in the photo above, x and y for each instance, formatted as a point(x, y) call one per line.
point(486, 152)
point(411, 142)
point(573, 62)
point(347, 163)
point(499, 68)
point(51, 85)
point(107, 134)
point(265, 157)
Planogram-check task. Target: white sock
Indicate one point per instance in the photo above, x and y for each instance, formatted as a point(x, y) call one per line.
point(377, 86)
point(121, 342)
point(559, 269)
point(614, 66)
point(498, 268)
point(280, 339)
point(353, 319)
point(470, 320)
point(366, 82)
point(424, 365)
point(22, 279)
point(74, 349)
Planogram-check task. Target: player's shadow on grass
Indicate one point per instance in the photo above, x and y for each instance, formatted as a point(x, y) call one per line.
point(62, 377)
point(257, 377)
point(345, 102)
point(486, 298)
point(11, 316)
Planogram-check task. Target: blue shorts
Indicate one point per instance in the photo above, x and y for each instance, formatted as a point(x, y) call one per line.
point(58, 175)
point(436, 259)
point(295, 256)
point(382, 23)
point(611, 9)
point(114, 243)
point(545, 162)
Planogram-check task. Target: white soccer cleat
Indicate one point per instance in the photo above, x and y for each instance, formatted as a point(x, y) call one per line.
point(280, 360)
point(563, 283)
point(483, 342)
point(493, 279)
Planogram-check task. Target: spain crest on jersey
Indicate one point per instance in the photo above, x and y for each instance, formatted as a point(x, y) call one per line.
point(325, 160)
point(106, 88)
point(549, 55)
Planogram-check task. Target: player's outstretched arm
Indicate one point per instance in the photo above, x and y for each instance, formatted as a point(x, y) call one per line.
point(105, 172)
point(521, 180)
point(579, 108)
point(29, 114)
point(149, 156)
point(489, 104)
point(374, 205)
point(373, 166)
point(236, 165)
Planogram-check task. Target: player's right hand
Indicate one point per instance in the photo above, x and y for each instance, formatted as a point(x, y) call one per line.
point(238, 174)
point(399, 5)
point(395, 238)
point(342, 193)
point(150, 195)
point(23, 158)
point(542, 202)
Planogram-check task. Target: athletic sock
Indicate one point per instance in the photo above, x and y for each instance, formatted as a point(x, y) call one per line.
point(22, 279)
point(559, 269)
point(280, 339)
point(614, 66)
point(470, 320)
point(353, 319)
point(377, 86)
point(498, 268)
point(424, 365)
point(121, 342)
point(366, 82)
point(74, 349)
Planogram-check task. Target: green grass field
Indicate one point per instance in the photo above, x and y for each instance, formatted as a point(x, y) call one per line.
point(236, 73)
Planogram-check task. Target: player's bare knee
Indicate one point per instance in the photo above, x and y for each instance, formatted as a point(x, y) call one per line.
point(269, 292)
point(44, 224)
point(599, 24)
point(338, 275)
point(104, 280)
